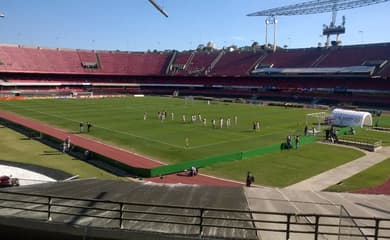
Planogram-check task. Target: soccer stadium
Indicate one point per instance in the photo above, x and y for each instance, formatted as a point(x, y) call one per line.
point(255, 142)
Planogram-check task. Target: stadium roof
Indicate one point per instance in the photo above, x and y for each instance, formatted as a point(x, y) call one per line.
point(316, 6)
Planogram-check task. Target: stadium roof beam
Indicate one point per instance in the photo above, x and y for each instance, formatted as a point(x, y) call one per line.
point(159, 8)
point(318, 6)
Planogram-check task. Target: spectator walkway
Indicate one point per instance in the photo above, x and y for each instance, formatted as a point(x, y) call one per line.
point(340, 173)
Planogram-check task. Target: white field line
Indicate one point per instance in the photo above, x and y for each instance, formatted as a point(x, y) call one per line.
point(236, 140)
point(144, 138)
point(83, 108)
point(107, 129)
point(377, 130)
point(124, 150)
point(109, 145)
point(125, 133)
point(154, 140)
point(218, 143)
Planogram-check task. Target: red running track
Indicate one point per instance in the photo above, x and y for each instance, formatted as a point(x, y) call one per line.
point(381, 189)
point(115, 153)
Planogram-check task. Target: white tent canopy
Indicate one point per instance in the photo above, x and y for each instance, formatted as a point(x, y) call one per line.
point(350, 118)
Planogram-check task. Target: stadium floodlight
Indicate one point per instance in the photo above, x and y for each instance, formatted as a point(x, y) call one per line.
point(319, 6)
point(159, 8)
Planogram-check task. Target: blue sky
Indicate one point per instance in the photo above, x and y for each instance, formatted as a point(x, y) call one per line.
point(136, 26)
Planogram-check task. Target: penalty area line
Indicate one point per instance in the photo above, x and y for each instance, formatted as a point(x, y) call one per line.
point(144, 138)
point(107, 129)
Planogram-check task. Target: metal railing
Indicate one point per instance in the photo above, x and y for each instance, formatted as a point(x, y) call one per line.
point(197, 220)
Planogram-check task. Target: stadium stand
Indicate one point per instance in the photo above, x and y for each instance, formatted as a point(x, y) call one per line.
point(360, 72)
point(180, 63)
point(293, 57)
point(201, 62)
point(236, 63)
point(342, 56)
point(89, 60)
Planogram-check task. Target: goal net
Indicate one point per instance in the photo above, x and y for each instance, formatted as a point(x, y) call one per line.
point(314, 120)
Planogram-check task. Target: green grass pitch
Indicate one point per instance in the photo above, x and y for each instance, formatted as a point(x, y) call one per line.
point(120, 121)
point(15, 147)
point(373, 176)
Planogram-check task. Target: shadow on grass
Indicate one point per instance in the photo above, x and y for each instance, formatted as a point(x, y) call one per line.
point(54, 152)
point(249, 131)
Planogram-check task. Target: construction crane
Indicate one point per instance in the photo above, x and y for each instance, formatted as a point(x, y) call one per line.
point(159, 8)
point(313, 7)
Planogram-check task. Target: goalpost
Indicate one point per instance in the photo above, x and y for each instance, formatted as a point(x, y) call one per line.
point(319, 117)
point(82, 94)
point(189, 100)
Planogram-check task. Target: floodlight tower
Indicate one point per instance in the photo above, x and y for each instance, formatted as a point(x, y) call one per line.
point(317, 6)
point(268, 21)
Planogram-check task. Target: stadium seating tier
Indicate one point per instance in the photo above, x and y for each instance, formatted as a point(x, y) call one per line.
point(219, 72)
